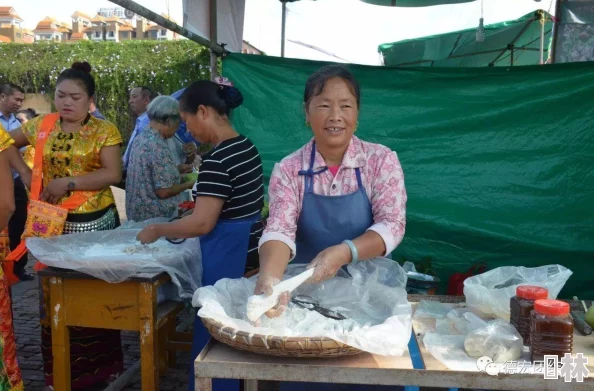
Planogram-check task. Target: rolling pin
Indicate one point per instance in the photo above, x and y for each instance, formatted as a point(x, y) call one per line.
point(580, 323)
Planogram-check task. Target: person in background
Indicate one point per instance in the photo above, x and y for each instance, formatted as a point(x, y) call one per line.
point(10, 375)
point(94, 110)
point(153, 183)
point(85, 156)
point(26, 115)
point(230, 195)
point(140, 97)
point(11, 101)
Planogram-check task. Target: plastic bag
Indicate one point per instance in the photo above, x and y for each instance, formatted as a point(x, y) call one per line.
point(497, 340)
point(116, 255)
point(372, 298)
point(489, 293)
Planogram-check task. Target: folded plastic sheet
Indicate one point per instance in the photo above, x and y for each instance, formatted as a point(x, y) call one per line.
point(489, 293)
point(116, 255)
point(371, 296)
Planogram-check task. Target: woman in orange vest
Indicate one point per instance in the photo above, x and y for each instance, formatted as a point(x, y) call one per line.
point(80, 160)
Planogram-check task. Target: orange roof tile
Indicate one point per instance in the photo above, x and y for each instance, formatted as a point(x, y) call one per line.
point(126, 28)
point(9, 12)
point(98, 18)
point(5, 39)
point(81, 15)
point(63, 30)
point(78, 37)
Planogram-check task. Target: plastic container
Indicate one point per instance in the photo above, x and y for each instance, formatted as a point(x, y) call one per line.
point(551, 331)
point(521, 306)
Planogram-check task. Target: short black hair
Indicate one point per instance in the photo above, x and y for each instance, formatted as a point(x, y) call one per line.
point(221, 98)
point(79, 72)
point(317, 81)
point(9, 89)
point(146, 92)
point(29, 113)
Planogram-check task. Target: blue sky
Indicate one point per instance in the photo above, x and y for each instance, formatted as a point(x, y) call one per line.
point(350, 29)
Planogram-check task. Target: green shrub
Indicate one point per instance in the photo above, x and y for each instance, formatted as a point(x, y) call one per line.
point(165, 66)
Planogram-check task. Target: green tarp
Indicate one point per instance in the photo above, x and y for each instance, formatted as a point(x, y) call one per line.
point(498, 162)
point(460, 48)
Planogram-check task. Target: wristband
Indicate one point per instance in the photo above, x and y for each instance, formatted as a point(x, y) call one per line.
point(354, 252)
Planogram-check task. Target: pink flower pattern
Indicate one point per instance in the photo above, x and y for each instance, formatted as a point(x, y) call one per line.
point(382, 177)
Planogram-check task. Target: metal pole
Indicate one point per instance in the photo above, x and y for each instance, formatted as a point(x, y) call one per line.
point(213, 38)
point(161, 21)
point(284, 18)
point(542, 34)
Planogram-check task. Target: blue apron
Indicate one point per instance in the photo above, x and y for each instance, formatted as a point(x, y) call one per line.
point(224, 253)
point(326, 221)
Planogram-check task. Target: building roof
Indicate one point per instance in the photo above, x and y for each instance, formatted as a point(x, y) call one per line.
point(78, 37)
point(80, 15)
point(126, 27)
point(4, 39)
point(98, 19)
point(46, 25)
point(114, 19)
point(9, 12)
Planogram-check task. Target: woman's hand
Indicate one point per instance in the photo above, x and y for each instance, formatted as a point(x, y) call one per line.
point(185, 168)
point(55, 190)
point(328, 262)
point(148, 234)
point(264, 286)
point(190, 149)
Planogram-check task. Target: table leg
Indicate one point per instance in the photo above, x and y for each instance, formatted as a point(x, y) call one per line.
point(60, 335)
point(203, 384)
point(170, 332)
point(250, 385)
point(149, 361)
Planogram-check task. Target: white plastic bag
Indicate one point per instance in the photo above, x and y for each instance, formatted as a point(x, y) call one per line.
point(373, 299)
point(497, 340)
point(116, 255)
point(489, 293)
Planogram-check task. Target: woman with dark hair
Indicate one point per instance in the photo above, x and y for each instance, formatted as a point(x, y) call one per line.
point(230, 195)
point(81, 160)
point(336, 200)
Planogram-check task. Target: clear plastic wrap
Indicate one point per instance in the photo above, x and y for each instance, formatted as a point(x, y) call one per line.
point(116, 255)
point(497, 340)
point(372, 298)
point(489, 293)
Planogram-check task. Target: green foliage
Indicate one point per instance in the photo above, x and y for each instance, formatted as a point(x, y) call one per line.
point(165, 66)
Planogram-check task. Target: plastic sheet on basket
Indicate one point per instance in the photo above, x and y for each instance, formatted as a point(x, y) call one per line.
point(489, 293)
point(116, 255)
point(371, 296)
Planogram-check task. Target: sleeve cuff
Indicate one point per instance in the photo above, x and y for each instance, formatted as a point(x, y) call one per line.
point(268, 236)
point(384, 232)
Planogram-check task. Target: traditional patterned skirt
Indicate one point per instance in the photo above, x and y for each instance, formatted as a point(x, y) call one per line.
point(10, 374)
point(96, 354)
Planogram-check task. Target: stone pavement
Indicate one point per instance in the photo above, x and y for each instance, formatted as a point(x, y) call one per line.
point(28, 333)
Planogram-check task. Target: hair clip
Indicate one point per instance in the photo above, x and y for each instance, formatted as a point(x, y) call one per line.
point(223, 81)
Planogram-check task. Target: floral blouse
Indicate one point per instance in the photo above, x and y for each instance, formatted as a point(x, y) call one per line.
point(381, 175)
point(151, 167)
point(5, 139)
point(74, 154)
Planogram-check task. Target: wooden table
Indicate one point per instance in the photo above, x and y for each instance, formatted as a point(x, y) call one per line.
point(80, 300)
point(220, 361)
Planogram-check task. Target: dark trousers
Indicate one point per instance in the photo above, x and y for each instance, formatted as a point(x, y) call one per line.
point(16, 225)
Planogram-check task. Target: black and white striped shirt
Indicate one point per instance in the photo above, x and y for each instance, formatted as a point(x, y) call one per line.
point(233, 171)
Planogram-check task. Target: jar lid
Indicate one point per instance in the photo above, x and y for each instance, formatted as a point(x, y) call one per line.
point(551, 307)
point(532, 292)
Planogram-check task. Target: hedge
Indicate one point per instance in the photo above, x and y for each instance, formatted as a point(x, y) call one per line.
point(165, 66)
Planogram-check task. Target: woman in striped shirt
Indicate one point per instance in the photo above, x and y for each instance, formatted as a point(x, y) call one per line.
point(229, 195)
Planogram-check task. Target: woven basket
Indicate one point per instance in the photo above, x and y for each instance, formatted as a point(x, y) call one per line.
point(278, 346)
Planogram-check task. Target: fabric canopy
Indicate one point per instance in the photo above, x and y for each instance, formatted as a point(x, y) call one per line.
point(497, 161)
point(414, 3)
point(460, 48)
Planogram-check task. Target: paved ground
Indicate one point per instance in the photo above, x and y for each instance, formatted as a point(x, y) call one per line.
point(28, 334)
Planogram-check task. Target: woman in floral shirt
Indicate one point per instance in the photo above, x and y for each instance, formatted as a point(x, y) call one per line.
point(153, 181)
point(336, 200)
